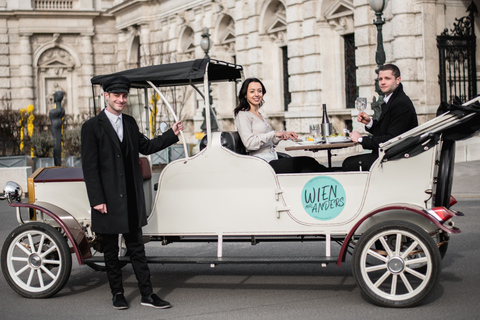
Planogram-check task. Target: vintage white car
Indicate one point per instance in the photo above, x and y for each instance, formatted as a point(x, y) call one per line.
point(396, 217)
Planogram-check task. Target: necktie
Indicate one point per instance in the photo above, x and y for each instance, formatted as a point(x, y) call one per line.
point(119, 129)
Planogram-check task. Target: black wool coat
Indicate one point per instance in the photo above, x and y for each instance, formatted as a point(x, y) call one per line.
point(397, 117)
point(104, 170)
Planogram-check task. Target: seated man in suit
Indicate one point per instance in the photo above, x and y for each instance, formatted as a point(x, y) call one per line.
point(398, 116)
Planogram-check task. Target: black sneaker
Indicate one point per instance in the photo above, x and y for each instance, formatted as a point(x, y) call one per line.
point(154, 301)
point(119, 302)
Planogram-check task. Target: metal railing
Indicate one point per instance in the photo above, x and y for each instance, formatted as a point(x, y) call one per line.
point(457, 57)
point(53, 4)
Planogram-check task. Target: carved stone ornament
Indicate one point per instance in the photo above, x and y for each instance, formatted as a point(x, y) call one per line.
point(56, 58)
point(465, 25)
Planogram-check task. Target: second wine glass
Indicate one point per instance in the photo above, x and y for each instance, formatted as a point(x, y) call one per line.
point(361, 104)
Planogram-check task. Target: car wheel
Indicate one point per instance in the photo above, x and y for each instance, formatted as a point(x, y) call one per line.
point(36, 260)
point(398, 275)
point(444, 238)
point(445, 174)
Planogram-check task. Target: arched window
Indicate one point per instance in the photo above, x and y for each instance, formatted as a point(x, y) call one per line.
point(187, 43)
point(226, 34)
point(134, 54)
point(273, 24)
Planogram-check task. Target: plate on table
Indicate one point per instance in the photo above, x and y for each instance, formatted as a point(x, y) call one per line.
point(338, 139)
point(307, 143)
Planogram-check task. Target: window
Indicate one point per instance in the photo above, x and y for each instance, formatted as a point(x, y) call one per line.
point(287, 96)
point(351, 89)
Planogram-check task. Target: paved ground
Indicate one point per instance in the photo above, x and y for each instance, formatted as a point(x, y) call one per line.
point(466, 181)
point(278, 292)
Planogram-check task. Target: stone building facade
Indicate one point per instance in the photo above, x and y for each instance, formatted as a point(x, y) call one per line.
point(307, 52)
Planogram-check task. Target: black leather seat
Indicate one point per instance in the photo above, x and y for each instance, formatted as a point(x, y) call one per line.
point(230, 140)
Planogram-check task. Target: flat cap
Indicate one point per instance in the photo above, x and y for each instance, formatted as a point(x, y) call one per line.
point(117, 84)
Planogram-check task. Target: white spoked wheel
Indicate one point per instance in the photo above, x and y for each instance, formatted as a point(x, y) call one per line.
point(396, 264)
point(36, 260)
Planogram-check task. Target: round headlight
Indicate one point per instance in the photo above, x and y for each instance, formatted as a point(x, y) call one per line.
point(12, 192)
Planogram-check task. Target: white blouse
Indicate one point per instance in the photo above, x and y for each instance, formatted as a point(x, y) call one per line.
point(256, 135)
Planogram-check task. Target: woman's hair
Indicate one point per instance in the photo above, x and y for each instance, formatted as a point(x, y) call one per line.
point(243, 104)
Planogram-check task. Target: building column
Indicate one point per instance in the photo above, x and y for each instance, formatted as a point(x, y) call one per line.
point(5, 84)
point(24, 94)
point(85, 73)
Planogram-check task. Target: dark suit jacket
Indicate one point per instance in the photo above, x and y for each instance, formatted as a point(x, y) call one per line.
point(104, 171)
point(397, 117)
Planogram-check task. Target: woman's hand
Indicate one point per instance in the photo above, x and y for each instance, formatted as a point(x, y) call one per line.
point(285, 135)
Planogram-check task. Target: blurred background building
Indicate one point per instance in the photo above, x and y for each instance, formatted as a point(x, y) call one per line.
point(307, 52)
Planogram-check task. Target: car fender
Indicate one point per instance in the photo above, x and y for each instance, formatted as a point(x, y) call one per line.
point(392, 211)
point(73, 230)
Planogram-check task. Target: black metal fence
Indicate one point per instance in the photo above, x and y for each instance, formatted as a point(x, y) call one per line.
point(458, 76)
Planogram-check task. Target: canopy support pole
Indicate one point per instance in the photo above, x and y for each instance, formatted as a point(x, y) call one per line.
point(207, 106)
point(173, 113)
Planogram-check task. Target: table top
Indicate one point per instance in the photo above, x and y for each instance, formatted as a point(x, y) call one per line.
point(321, 146)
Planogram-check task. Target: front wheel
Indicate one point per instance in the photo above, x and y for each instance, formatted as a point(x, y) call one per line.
point(36, 260)
point(386, 264)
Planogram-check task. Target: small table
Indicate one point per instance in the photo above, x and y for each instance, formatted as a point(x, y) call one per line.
point(323, 146)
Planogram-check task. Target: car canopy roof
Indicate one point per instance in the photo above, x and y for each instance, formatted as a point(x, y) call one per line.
point(179, 73)
point(455, 121)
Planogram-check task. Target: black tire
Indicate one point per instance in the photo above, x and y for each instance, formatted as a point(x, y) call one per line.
point(402, 277)
point(443, 237)
point(36, 260)
point(445, 174)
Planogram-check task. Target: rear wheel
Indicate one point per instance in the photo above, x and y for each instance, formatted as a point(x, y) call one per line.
point(36, 260)
point(396, 264)
point(445, 174)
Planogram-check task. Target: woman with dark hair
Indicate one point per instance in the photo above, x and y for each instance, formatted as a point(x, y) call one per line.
point(259, 139)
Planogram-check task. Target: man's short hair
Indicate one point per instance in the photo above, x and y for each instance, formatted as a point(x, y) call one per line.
point(395, 70)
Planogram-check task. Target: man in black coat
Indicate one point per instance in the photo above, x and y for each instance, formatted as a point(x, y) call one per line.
point(398, 116)
point(111, 143)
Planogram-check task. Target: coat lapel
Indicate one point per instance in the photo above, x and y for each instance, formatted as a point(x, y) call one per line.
point(384, 107)
point(127, 136)
point(105, 123)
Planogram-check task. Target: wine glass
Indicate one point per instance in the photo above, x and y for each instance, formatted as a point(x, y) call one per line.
point(361, 104)
point(314, 130)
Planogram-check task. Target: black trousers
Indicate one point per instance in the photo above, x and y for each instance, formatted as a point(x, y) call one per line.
point(297, 165)
point(136, 250)
point(354, 163)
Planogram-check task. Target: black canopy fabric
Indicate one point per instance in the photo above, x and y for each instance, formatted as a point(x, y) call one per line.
point(180, 73)
point(463, 129)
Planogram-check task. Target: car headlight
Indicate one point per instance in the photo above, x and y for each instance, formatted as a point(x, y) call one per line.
point(12, 192)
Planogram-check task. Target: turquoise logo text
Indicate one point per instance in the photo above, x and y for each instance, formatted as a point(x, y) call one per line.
point(323, 198)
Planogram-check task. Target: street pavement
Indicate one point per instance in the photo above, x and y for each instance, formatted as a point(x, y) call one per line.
point(263, 292)
point(466, 181)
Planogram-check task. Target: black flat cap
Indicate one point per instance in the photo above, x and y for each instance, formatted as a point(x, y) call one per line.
point(117, 84)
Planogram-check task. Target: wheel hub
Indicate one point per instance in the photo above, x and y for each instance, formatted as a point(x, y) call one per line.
point(396, 265)
point(35, 260)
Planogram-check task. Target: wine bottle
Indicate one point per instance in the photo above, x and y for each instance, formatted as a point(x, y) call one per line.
point(325, 116)
point(326, 125)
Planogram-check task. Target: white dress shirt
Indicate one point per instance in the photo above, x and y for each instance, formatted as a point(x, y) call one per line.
point(116, 122)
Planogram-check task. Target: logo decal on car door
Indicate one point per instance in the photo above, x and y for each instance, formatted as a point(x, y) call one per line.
point(323, 198)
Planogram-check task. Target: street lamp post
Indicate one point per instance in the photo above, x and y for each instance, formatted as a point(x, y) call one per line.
point(378, 6)
point(206, 44)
